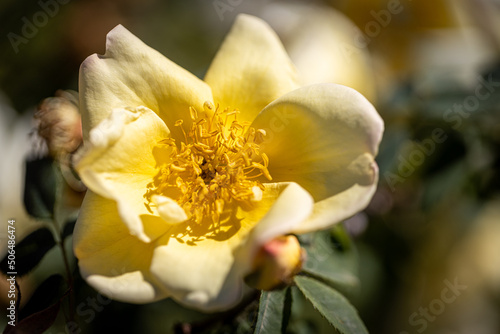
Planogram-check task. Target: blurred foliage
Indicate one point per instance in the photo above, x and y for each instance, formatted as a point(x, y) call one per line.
point(40, 188)
point(331, 257)
point(29, 252)
point(48, 61)
point(418, 222)
point(39, 66)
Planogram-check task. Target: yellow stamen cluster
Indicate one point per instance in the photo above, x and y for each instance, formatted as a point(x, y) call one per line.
point(214, 167)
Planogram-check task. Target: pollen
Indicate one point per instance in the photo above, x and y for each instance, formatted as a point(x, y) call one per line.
point(218, 165)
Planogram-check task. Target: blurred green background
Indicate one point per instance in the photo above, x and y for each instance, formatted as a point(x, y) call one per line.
point(431, 68)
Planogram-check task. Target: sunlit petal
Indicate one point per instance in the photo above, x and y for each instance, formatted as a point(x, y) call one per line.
point(251, 68)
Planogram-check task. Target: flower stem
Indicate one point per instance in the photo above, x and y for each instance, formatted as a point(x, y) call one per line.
point(59, 218)
point(69, 276)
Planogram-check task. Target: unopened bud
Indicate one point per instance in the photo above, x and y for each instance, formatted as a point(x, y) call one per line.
point(60, 123)
point(276, 263)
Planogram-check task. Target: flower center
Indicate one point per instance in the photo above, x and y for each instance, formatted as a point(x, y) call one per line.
point(216, 166)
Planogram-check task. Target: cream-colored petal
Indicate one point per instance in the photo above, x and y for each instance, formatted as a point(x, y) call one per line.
point(195, 273)
point(251, 68)
point(131, 74)
point(202, 273)
point(112, 260)
point(119, 160)
point(130, 287)
point(340, 206)
point(169, 210)
point(324, 137)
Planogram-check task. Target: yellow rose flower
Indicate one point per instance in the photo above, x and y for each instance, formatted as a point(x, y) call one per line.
point(188, 178)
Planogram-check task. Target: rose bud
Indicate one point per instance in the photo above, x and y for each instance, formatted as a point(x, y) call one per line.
point(276, 263)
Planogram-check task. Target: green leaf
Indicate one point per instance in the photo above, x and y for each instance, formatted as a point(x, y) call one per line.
point(272, 312)
point(331, 257)
point(28, 252)
point(332, 305)
point(40, 188)
point(305, 319)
